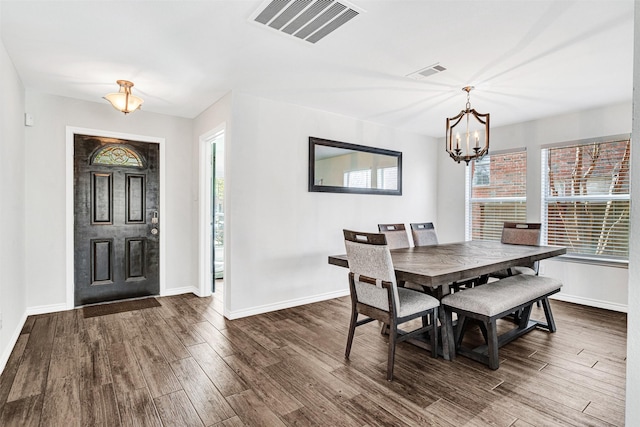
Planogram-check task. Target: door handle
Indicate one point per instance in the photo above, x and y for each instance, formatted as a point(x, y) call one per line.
point(154, 222)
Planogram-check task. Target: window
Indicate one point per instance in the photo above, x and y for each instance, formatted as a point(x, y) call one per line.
point(388, 178)
point(481, 172)
point(358, 179)
point(117, 155)
point(585, 198)
point(496, 192)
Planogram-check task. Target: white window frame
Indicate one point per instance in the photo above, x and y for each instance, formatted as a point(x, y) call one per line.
point(545, 197)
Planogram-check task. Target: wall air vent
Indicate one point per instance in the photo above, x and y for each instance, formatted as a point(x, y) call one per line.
point(426, 72)
point(309, 20)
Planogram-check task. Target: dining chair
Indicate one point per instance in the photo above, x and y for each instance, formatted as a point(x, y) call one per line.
point(396, 235)
point(519, 233)
point(397, 238)
point(423, 234)
point(375, 294)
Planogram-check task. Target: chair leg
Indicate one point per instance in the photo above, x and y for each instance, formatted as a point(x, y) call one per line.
point(352, 329)
point(547, 313)
point(434, 332)
point(393, 333)
point(384, 329)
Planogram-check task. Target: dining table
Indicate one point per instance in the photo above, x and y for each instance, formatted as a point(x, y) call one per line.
point(439, 267)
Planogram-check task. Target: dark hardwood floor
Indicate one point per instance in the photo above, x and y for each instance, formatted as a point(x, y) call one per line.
point(183, 364)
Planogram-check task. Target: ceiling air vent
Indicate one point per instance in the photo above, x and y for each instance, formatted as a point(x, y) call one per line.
point(309, 20)
point(426, 72)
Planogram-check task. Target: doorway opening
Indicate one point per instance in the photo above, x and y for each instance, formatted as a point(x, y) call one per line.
point(212, 213)
point(217, 209)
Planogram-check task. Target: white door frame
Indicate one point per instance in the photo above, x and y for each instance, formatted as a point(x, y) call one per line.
point(70, 267)
point(205, 226)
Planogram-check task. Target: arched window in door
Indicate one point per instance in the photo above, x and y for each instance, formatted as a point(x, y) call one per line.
point(117, 155)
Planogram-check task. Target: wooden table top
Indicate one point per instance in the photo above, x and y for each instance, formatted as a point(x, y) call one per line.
point(440, 265)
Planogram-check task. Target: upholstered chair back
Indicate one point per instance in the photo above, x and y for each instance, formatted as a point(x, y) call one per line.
point(424, 234)
point(396, 235)
point(516, 233)
point(368, 255)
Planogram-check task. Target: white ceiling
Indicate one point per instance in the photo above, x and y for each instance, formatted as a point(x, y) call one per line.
point(526, 59)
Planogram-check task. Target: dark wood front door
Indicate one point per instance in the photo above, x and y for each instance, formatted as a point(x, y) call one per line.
point(116, 232)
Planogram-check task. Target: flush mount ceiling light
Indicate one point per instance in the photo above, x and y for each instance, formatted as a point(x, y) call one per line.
point(475, 142)
point(123, 100)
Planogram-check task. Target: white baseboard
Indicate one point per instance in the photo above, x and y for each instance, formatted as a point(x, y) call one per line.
point(591, 302)
point(180, 291)
point(45, 309)
point(237, 314)
point(4, 358)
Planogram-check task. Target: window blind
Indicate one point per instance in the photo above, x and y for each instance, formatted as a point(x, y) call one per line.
point(497, 189)
point(387, 178)
point(585, 198)
point(357, 179)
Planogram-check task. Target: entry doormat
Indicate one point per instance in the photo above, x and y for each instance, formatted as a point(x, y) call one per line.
point(119, 307)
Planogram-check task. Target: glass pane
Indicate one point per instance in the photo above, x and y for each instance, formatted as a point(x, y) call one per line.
point(481, 171)
point(498, 194)
point(590, 228)
point(388, 178)
point(593, 169)
point(117, 155)
point(349, 168)
point(358, 179)
point(487, 218)
point(500, 175)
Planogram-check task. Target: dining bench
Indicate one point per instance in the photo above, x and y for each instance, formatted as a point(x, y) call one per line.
point(495, 300)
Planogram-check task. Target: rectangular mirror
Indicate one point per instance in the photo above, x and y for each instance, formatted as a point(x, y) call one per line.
point(339, 167)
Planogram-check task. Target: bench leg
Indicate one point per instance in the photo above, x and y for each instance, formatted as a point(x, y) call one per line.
point(525, 315)
point(551, 324)
point(460, 330)
point(492, 341)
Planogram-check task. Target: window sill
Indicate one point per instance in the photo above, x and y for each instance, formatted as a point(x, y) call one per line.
point(592, 261)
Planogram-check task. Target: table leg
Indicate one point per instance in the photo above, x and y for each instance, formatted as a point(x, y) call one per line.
point(446, 336)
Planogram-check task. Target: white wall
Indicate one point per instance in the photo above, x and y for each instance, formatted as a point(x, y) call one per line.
point(12, 225)
point(45, 190)
point(599, 286)
point(633, 319)
point(278, 234)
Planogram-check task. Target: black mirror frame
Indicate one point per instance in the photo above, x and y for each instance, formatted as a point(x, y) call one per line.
point(313, 141)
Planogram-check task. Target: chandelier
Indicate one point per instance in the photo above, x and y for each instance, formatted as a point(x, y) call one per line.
point(475, 136)
point(123, 100)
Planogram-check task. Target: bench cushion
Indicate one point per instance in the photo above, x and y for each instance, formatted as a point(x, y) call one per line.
point(497, 297)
